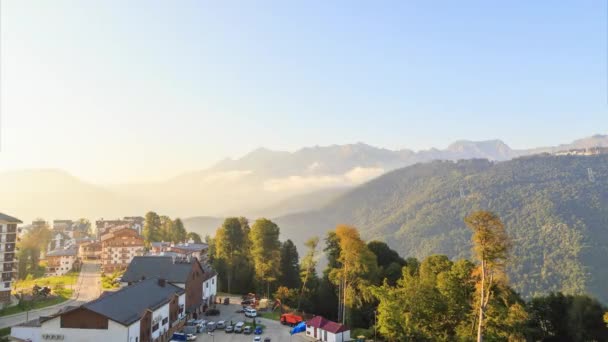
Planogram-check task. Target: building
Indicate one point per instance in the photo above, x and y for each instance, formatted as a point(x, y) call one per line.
point(62, 225)
point(148, 311)
point(134, 222)
point(199, 280)
point(183, 250)
point(90, 250)
point(8, 238)
point(62, 261)
point(322, 329)
point(118, 247)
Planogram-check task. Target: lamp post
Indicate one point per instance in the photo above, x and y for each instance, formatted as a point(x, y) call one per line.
point(375, 323)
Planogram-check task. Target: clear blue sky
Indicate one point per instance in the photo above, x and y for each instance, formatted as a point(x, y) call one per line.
point(165, 86)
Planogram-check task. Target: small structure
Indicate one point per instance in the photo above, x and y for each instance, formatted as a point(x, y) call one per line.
point(118, 247)
point(61, 261)
point(90, 250)
point(322, 329)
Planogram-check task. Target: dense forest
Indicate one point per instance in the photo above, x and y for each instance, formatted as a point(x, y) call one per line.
point(554, 208)
point(375, 291)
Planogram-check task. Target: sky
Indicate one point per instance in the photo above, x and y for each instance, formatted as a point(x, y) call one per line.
point(134, 91)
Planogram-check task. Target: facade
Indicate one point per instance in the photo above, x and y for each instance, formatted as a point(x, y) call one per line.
point(148, 311)
point(8, 238)
point(322, 329)
point(199, 281)
point(134, 222)
point(119, 247)
point(183, 250)
point(61, 261)
point(90, 250)
point(62, 225)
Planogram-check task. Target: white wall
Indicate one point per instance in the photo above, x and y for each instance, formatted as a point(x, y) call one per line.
point(161, 313)
point(210, 287)
point(24, 333)
point(115, 332)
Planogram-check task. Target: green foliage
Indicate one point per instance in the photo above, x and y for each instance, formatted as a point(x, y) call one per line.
point(152, 228)
point(31, 245)
point(559, 317)
point(194, 237)
point(109, 281)
point(265, 249)
point(231, 257)
point(289, 265)
point(555, 216)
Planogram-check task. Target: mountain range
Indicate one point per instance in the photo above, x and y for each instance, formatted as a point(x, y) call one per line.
point(261, 183)
point(554, 209)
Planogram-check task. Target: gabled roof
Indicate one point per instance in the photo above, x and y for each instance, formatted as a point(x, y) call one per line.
point(62, 252)
point(10, 219)
point(193, 247)
point(323, 323)
point(157, 266)
point(128, 304)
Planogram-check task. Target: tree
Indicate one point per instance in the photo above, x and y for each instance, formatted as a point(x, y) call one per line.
point(179, 232)
point(229, 246)
point(151, 230)
point(31, 245)
point(85, 226)
point(196, 238)
point(289, 265)
point(308, 266)
point(389, 262)
point(166, 228)
point(265, 250)
point(490, 245)
point(358, 267)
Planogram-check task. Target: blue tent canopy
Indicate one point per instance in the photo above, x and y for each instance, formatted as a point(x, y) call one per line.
point(300, 327)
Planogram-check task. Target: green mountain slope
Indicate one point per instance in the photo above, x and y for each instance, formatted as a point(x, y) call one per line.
point(556, 216)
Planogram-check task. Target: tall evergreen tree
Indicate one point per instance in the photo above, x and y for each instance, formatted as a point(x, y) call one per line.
point(289, 266)
point(151, 230)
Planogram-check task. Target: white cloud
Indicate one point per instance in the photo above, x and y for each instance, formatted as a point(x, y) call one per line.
point(354, 176)
point(314, 166)
point(363, 174)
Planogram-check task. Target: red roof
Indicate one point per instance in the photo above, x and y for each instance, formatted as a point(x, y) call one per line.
point(324, 324)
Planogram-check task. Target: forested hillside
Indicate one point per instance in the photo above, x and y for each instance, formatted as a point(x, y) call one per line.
point(556, 214)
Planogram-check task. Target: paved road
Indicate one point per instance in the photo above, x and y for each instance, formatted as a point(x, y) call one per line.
point(87, 287)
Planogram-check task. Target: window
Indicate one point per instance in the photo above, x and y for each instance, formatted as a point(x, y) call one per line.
point(213, 281)
point(207, 284)
point(165, 320)
point(155, 327)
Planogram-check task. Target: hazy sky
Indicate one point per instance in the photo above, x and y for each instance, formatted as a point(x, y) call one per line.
point(117, 91)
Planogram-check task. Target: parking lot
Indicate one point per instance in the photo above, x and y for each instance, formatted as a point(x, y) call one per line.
point(274, 329)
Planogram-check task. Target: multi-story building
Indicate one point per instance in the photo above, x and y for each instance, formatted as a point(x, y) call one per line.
point(8, 238)
point(62, 225)
point(61, 261)
point(151, 310)
point(199, 280)
point(118, 247)
point(184, 250)
point(90, 250)
point(134, 222)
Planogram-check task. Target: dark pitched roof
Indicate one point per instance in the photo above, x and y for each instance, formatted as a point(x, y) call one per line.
point(4, 217)
point(63, 252)
point(159, 267)
point(323, 323)
point(128, 304)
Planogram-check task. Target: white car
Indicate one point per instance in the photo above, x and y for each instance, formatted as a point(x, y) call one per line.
point(257, 339)
point(251, 312)
point(190, 337)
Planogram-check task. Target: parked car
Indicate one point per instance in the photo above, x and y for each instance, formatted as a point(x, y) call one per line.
point(212, 312)
point(247, 330)
point(211, 326)
point(238, 328)
point(229, 329)
point(249, 312)
point(267, 339)
point(257, 339)
point(179, 337)
point(221, 324)
point(258, 331)
point(226, 300)
point(191, 337)
point(247, 302)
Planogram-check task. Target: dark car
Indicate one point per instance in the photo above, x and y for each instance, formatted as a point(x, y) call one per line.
point(226, 301)
point(212, 312)
point(247, 302)
point(267, 339)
